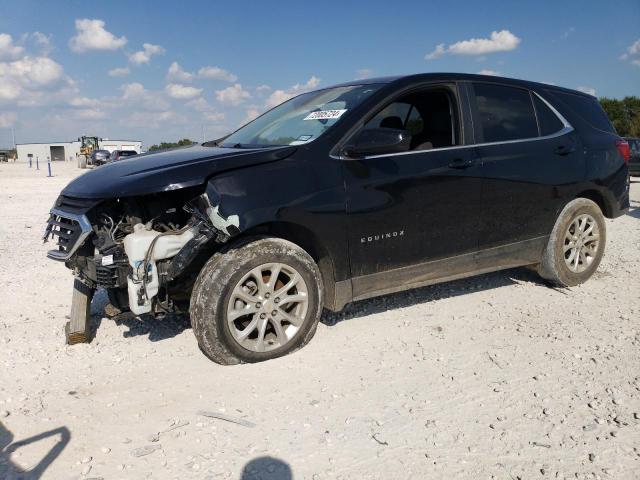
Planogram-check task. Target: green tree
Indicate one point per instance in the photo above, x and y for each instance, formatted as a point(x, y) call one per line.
point(624, 114)
point(165, 145)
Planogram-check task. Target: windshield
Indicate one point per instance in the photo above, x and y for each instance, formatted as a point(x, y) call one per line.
point(301, 119)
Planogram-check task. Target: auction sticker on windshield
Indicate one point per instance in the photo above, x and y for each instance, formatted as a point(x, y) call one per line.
point(324, 114)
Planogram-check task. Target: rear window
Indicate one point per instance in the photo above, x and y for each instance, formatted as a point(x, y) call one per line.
point(505, 113)
point(549, 121)
point(588, 108)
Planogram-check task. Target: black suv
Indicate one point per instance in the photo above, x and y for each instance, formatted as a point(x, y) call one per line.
point(634, 152)
point(121, 154)
point(345, 193)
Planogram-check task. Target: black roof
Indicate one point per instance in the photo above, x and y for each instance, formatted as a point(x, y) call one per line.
point(452, 76)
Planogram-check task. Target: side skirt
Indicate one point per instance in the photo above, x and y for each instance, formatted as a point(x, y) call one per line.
point(493, 259)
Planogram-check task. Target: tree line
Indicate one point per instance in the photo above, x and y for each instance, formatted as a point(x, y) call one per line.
point(624, 114)
point(164, 145)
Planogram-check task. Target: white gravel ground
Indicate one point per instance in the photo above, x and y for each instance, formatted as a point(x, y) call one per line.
point(496, 376)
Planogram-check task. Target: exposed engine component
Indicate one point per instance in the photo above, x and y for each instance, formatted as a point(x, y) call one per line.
point(144, 247)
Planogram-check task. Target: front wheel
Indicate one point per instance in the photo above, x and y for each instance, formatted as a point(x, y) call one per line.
point(576, 244)
point(257, 301)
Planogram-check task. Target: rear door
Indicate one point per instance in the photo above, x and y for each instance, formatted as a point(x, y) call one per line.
point(530, 158)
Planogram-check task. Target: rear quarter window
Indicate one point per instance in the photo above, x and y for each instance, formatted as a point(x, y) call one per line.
point(504, 113)
point(549, 121)
point(588, 108)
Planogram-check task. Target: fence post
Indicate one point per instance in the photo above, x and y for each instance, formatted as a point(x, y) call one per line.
point(37, 162)
point(49, 166)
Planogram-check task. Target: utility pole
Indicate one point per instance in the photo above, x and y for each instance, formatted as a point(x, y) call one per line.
point(13, 137)
point(202, 125)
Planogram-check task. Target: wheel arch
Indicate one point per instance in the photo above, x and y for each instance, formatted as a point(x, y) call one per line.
point(599, 199)
point(305, 239)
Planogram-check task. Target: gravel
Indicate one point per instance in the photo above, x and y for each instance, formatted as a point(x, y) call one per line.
point(403, 385)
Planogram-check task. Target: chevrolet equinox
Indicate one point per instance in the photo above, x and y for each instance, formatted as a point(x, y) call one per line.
point(344, 193)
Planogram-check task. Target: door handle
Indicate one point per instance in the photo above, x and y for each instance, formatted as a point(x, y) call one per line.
point(563, 150)
point(461, 163)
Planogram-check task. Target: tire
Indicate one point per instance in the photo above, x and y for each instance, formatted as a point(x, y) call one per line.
point(82, 161)
point(230, 276)
point(554, 265)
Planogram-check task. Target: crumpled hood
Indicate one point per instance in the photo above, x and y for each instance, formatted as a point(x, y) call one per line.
point(167, 170)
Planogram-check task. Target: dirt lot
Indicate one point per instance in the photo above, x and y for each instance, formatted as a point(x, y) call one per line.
point(496, 376)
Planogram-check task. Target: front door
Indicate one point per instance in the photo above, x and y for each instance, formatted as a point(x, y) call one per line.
point(418, 206)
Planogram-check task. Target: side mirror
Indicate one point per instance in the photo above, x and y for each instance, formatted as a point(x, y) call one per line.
point(378, 141)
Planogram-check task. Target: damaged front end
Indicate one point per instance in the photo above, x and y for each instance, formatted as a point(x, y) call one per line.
point(146, 251)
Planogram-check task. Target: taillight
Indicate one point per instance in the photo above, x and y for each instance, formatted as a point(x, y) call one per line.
point(623, 148)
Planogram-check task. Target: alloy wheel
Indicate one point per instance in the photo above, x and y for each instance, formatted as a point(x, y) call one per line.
point(581, 243)
point(267, 307)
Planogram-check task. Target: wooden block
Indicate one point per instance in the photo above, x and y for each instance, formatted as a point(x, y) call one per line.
point(77, 329)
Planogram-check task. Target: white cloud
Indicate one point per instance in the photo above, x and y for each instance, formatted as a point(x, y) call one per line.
point(501, 41)
point(487, 71)
point(569, 31)
point(119, 72)
point(263, 88)
point(144, 56)
point(252, 114)
point(91, 35)
point(280, 96)
point(182, 92)
point(90, 114)
point(176, 72)
point(216, 73)
point(588, 90)
point(43, 41)
point(7, 119)
point(8, 50)
point(233, 95)
point(136, 95)
point(83, 102)
point(437, 52)
point(199, 104)
point(633, 53)
point(29, 74)
point(364, 73)
point(214, 116)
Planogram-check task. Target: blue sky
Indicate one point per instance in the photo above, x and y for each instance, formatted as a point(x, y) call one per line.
point(105, 68)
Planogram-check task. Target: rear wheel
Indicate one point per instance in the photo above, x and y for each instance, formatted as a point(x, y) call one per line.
point(258, 301)
point(576, 244)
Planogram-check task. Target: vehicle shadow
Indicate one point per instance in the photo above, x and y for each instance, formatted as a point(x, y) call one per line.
point(173, 324)
point(266, 468)
point(11, 471)
point(430, 293)
point(170, 326)
point(634, 210)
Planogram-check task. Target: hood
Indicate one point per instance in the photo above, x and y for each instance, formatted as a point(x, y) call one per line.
point(167, 170)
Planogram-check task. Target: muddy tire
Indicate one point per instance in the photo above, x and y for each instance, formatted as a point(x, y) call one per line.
point(258, 300)
point(576, 245)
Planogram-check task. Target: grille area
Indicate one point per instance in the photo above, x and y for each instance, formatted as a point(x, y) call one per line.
point(69, 229)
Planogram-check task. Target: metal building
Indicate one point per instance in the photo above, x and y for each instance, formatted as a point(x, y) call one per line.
point(60, 151)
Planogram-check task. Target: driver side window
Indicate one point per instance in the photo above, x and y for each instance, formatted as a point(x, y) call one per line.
point(427, 115)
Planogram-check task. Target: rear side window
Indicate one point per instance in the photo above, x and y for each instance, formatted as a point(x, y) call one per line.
point(588, 108)
point(548, 121)
point(505, 113)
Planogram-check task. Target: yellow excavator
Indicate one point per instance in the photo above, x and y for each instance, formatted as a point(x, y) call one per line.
point(87, 146)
